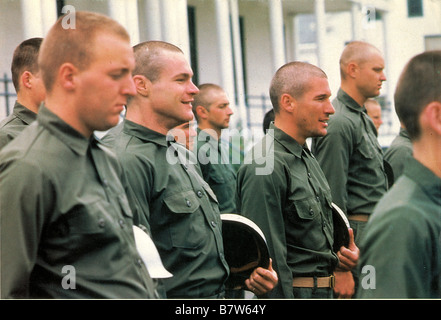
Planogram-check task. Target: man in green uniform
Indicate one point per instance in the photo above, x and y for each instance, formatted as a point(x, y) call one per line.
point(179, 206)
point(399, 152)
point(401, 248)
point(350, 154)
point(282, 189)
point(212, 111)
point(29, 87)
point(373, 110)
point(66, 224)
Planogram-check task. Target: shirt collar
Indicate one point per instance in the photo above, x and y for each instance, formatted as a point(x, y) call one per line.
point(286, 140)
point(23, 113)
point(349, 102)
point(425, 178)
point(146, 134)
point(64, 132)
point(205, 137)
point(404, 133)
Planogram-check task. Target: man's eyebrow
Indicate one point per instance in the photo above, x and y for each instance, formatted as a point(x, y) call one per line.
point(183, 74)
point(123, 70)
point(323, 95)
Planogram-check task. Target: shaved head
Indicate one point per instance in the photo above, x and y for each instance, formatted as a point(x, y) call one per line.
point(356, 52)
point(149, 58)
point(293, 78)
point(205, 96)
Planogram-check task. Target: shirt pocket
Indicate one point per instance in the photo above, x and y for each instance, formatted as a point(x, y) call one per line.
point(366, 149)
point(304, 209)
point(87, 219)
point(217, 177)
point(125, 207)
point(187, 225)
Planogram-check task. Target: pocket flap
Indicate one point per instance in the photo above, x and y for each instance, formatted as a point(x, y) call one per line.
point(183, 202)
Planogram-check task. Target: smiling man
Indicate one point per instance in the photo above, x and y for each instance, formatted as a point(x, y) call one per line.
point(178, 206)
point(292, 203)
point(350, 155)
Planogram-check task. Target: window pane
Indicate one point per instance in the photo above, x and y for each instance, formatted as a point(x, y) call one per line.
point(415, 8)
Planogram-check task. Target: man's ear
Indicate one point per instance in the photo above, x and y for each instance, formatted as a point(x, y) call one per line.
point(287, 103)
point(142, 85)
point(25, 80)
point(352, 69)
point(67, 76)
point(201, 112)
point(431, 117)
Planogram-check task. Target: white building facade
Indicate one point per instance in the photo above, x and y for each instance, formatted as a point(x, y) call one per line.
point(239, 44)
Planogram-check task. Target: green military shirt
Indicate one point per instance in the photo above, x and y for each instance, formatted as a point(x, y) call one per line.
point(66, 225)
point(351, 157)
point(180, 208)
point(282, 189)
point(12, 125)
point(401, 249)
point(217, 170)
point(399, 152)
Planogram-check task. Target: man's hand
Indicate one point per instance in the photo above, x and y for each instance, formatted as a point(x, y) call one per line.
point(348, 257)
point(262, 280)
point(344, 284)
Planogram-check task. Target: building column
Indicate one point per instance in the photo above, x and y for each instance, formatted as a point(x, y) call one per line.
point(153, 19)
point(174, 19)
point(49, 14)
point(277, 33)
point(225, 49)
point(320, 18)
point(390, 92)
point(356, 18)
point(126, 13)
point(132, 20)
point(32, 19)
point(117, 11)
point(183, 33)
point(238, 66)
point(169, 20)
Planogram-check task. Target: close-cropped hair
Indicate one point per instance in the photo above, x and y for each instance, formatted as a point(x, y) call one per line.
point(148, 62)
point(74, 45)
point(418, 85)
point(357, 52)
point(203, 97)
point(293, 79)
point(25, 58)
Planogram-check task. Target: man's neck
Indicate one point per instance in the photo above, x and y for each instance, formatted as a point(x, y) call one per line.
point(27, 103)
point(353, 93)
point(61, 105)
point(214, 132)
point(429, 153)
point(144, 116)
point(290, 130)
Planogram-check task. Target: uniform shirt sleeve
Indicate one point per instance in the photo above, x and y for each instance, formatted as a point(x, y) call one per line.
point(332, 152)
point(261, 198)
point(138, 191)
point(24, 204)
point(396, 255)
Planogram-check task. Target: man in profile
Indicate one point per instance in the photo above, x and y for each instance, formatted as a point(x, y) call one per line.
point(373, 109)
point(66, 221)
point(290, 200)
point(29, 86)
point(401, 242)
point(178, 205)
point(212, 110)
